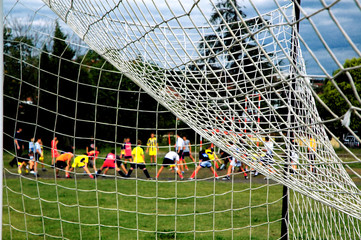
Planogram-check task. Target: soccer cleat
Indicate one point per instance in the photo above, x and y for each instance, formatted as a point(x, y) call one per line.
point(68, 176)
point(32, 172)
point(256, 174)
point(44, 170)
point(226, 178)
point(246, 177)
point(103, 175)
point(190, 178)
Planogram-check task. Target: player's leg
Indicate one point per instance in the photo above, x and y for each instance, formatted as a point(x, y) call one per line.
point(67, 170)
point(57, 168)
point(124, 169)
point(106, 170)
point(42, 162)
point(230, 170)
point(87, 171)
point(215, 164)
point(159, 171)
point(20, 165)
point(94, 165)
point(214, 172)
point(195, 171)
point(243, 169)
point(179, 172)
point(132, 166)
point(145, 171)
point(185, 163)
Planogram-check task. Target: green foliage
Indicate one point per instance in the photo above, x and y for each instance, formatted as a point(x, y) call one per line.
point(334, 100)
point(60, 80)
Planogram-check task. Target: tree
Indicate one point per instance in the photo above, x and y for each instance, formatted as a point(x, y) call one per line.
point(333, 99)
point(231, 37)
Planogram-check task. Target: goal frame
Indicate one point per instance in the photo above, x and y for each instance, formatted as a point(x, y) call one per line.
point(1, 109)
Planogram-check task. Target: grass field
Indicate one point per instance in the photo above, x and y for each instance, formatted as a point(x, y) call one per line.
point(109, 207)
point(114, 208)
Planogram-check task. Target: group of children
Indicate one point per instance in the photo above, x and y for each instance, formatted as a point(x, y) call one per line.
point(173, 159)
point(30, 159)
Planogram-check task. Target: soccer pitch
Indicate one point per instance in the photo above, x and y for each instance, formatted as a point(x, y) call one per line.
point(107, 209)
point(112, 207)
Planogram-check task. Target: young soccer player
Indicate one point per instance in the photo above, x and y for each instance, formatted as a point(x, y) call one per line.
point(152, 146)
point(311, 150)
point(267, 160)
point(93, 153)
point(204, 162)
point(187, 152)
point(109, 162)
point(81, 161)
point(54, 150)
point(171, 158)
point(37, 155)
point(63, 162)
point(212, 156)
point(19, 146)
point(24, 161)
point(179, 146)
point(32, 145)
point(235, 163)
point(226, 159)
point(41, 158)
point(138, 160)
point(127, 152)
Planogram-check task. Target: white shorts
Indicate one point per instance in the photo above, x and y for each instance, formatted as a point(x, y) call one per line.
point(206, 164)
point(235, 163)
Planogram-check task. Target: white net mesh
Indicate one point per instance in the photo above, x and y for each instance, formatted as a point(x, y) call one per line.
point(233, 80)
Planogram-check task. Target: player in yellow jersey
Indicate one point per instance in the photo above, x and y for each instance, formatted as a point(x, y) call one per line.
point(212, 156)
point(311, 152)
point(138, 160)
point(152, 146)
point(81, 161)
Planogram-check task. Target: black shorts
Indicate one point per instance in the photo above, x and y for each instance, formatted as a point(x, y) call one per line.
point(137, 165)
point(167, 162)
point(61, 164)
point(127, 157)
point(180, 153)
point(21, 160)
point(185, 154)
point(119, 163)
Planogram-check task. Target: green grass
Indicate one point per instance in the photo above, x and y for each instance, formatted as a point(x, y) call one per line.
point(109, 208)
point(113, 208)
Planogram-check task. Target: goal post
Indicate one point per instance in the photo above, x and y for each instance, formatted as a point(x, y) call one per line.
point(237, 88)
point(1, 109)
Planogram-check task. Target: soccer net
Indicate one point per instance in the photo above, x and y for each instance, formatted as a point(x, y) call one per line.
point(105, 71)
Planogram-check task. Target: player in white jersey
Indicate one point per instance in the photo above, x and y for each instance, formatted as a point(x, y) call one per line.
point(171, 158)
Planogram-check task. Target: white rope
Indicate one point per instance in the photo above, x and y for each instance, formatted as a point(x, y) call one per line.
point(219, 102)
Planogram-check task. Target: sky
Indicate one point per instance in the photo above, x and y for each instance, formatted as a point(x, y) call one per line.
point(331, 50)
